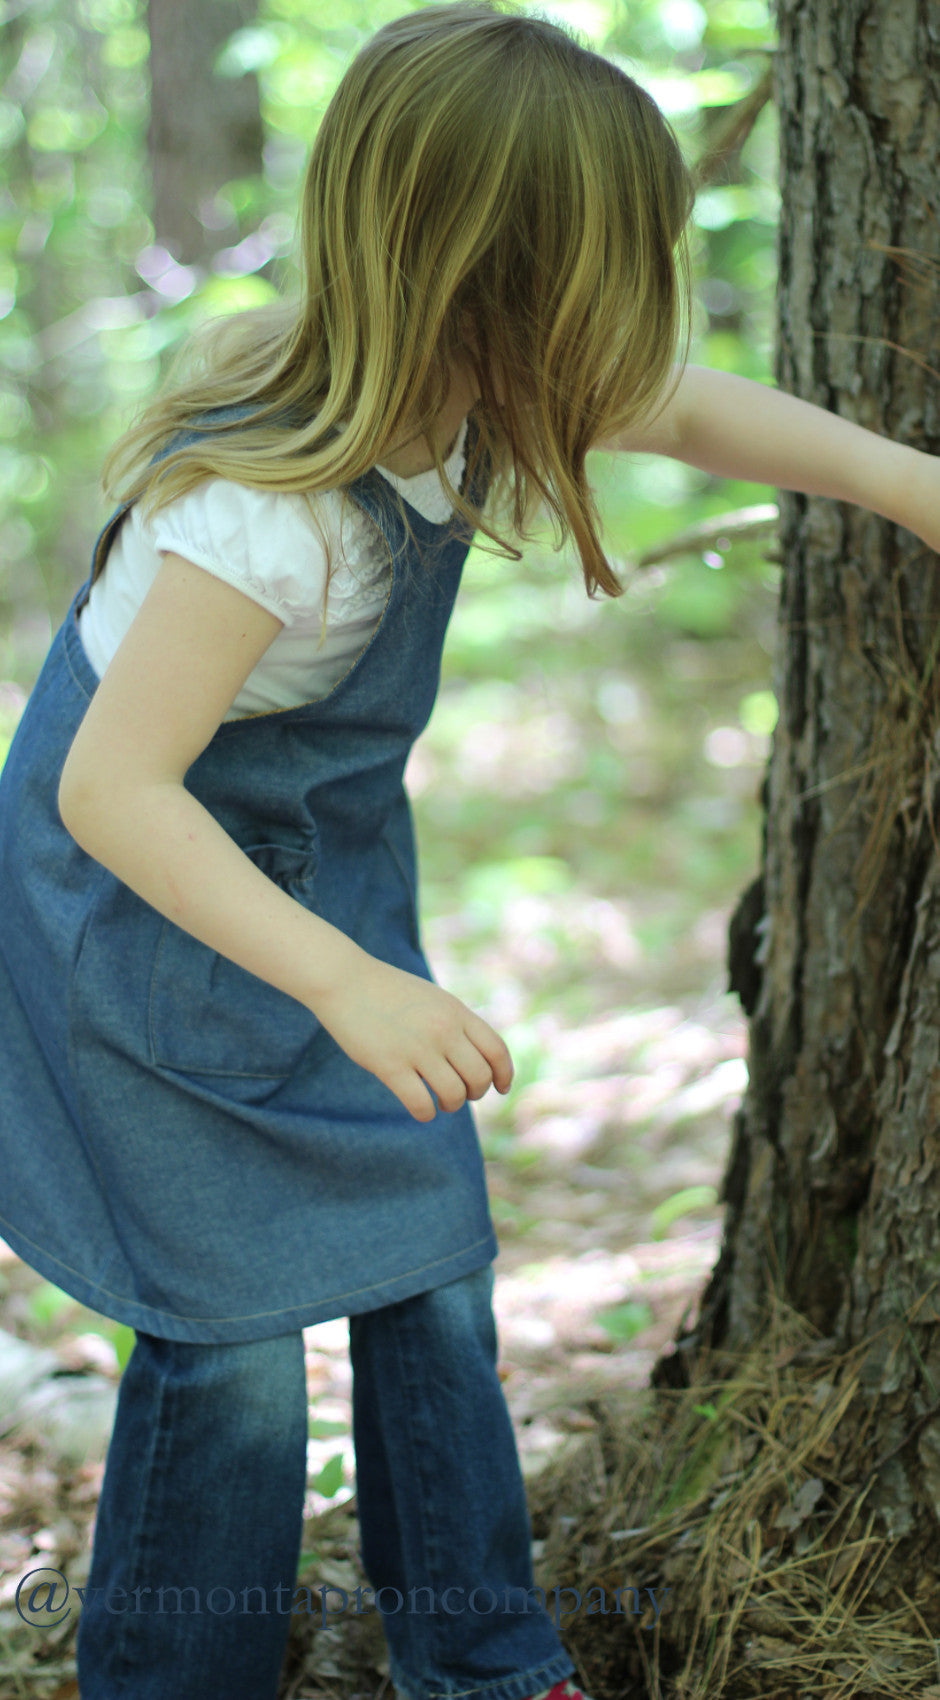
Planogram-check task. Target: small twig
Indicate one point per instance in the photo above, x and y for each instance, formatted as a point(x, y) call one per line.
point(711, 533)
point(735, 128)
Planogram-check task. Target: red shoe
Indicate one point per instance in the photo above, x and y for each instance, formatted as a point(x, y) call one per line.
point(565, 1690)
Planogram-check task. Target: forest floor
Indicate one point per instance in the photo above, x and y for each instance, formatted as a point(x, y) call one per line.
point(600, 804)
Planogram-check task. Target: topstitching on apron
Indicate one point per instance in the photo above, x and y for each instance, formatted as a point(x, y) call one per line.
point(183, 1147)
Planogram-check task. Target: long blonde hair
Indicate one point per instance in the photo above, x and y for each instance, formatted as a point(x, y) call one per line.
point(481, 187)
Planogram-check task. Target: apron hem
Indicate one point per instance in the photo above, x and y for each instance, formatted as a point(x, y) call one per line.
point(263, 1325)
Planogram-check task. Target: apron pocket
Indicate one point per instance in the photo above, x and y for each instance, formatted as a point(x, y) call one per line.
point(208, 1016)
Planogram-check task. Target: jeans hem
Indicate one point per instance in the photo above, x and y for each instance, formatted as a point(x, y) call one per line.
point(520, 1686)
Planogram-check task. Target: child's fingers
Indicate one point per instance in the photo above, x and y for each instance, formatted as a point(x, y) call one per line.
point(411, 1091)
point(493, 1048)
point(476, 1074)
point(407, 1031)
point(446, 1083)
point(463, 1073)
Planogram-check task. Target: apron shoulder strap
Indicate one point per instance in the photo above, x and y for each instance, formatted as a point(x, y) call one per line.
point(179, 440)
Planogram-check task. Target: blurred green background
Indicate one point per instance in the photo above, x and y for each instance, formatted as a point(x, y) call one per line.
point(586, 796)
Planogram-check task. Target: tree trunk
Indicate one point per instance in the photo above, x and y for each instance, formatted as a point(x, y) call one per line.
point(205, 129)
point(833, 1184)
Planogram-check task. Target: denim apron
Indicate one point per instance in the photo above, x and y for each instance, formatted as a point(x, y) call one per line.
point(182, 1146)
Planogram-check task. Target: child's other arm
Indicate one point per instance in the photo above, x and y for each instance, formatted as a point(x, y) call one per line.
point(184, 660)
point(735, 428)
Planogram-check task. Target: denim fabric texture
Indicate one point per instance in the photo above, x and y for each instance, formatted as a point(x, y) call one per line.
point(203, 1493)
point(182, 1146)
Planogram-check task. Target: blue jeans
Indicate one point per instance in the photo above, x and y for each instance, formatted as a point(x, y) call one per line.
point(197, 1542)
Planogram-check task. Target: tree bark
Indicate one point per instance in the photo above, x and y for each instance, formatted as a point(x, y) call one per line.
point(833, 1182)
point(205, 130)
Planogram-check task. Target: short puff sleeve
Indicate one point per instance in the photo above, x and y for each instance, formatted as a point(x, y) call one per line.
point(263, 542)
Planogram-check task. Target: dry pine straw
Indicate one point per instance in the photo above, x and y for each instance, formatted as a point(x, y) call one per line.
point(745, 1497)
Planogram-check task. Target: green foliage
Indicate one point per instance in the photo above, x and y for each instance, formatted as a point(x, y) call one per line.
point(318, 1429)
point(505, 1214)
point(329, 1480)
point(625, 1321)
point(704, 1454)
point(674, 1208)
point(123, 1339)
point(52, 1312)
point(46, 1304)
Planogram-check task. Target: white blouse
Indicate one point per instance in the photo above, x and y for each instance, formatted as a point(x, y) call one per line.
point(266, 544)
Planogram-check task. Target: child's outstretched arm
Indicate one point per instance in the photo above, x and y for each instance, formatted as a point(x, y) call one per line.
point(184, 660)
point(735, 428)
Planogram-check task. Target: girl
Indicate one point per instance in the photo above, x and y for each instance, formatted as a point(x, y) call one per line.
point(221, 1045)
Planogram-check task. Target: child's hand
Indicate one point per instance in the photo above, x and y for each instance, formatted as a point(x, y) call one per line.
point(412, 1035)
